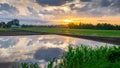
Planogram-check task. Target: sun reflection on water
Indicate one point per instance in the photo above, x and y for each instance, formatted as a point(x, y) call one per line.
point(22, 48)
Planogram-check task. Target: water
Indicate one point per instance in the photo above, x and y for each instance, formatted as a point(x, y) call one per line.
point(39, 48)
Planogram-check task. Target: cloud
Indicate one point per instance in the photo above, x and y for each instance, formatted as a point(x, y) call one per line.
point(53, 2)
point(98, 7)
point(48, 54)
point(116, 3)
point(105, 3)
point(6, 8)
point(50, 10)
point(85, 0)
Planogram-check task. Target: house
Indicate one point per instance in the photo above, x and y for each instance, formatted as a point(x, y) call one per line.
point(15, 26)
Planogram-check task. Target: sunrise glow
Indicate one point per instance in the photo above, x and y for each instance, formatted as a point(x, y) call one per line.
point(50, 12)
point(68, 21)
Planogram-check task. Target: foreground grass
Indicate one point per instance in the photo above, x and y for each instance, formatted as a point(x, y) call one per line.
point(76, 31)
point(86, 57)
point(29, 65)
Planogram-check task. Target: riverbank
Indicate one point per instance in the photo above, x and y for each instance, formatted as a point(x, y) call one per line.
point(9, 64)
point(112, 40)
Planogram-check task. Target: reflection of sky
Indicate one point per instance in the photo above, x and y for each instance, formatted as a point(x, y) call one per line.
point(18, 48)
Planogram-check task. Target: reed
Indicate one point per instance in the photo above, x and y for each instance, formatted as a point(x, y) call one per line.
point(85, 57)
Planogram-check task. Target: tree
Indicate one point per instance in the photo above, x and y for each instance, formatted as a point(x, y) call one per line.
point(16, 22)
point(13, 22)
point(2, 24)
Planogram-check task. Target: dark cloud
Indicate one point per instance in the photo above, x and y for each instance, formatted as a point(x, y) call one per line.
point(110, 3)
point(72, 6)
point(48, 54)
point(105, 3)
point(8, 8)
point(116, 3)
point(53, 2)
point(98, 8)
point(86, 0)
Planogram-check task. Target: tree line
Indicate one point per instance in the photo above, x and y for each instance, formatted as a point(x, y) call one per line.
point(9, 23)
point(101, 26)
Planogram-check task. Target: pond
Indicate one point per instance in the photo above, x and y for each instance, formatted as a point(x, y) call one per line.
point(39, 48)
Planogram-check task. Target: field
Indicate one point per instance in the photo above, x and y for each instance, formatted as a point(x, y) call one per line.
point(77, 31)
point(1, 29)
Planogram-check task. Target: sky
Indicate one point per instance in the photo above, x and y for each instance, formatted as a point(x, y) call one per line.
point(47, 12)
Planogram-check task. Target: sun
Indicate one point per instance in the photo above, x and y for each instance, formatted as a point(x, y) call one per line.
point(68, 21)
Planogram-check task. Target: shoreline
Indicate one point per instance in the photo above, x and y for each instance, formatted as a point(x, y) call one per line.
point(9, 65)
point(111, 40)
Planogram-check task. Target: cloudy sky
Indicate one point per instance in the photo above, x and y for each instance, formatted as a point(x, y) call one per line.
point(55, 11)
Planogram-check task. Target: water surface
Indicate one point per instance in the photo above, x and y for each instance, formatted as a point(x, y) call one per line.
point(39, 48)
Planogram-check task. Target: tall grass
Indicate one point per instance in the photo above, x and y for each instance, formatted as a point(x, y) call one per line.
point(29, 65)
point(86, 57)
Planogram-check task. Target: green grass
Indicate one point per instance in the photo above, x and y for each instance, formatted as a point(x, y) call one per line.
point(29, 65)
point(1, 29)
point(77, 31)
point(86, 57)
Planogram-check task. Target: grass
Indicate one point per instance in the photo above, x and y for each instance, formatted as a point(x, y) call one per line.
point(29, 65)
point(76, 31)
point(86, 57)
point(1, 29)
point(72, 31)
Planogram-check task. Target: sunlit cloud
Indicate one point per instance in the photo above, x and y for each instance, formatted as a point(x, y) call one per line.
point(50, 10)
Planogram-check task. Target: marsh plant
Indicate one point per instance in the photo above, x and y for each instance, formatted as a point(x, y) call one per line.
point(86, 57)
point(29, 65)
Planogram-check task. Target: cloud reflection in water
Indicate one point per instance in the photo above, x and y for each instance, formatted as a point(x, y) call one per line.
point(18, 48)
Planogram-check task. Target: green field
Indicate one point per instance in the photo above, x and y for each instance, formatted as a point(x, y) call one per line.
point(77, 31)
point(1, 29)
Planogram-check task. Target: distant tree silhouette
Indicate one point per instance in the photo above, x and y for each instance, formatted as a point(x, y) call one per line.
point(13, 22)
point(105, 26)
point(2, 24)
point(101, 26)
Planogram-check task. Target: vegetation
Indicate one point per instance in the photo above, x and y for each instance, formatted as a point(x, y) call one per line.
point(75, 31)
point(99, 26)
point(9, 24)
point(29, 65)
point(4, 29)
point(86, 57)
